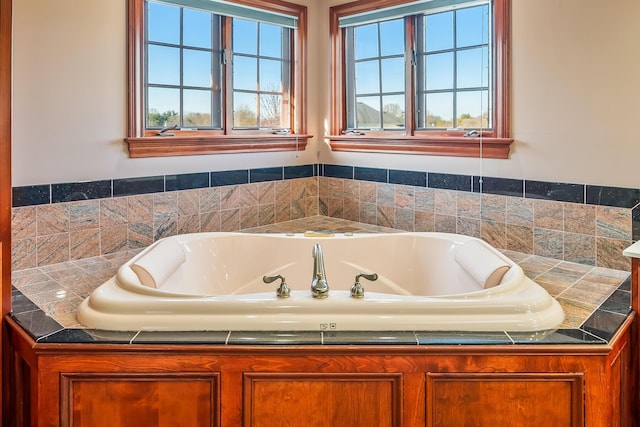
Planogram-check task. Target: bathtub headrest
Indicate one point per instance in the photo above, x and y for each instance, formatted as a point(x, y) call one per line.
point(160, 262)
point(485, 266)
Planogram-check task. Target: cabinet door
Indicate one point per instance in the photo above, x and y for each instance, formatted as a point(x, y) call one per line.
point(505, 399)
point(96, 400)
point(307, 399)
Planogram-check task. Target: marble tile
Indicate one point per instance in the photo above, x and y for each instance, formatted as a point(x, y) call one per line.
point(30, 195)
point(283, 212)
point(351, 210)
point(416, 179)
point(23, 223)
point(230, 220)
point(139, 235)
point(548, 215)
point(614, 223)
point(447, 181)
point(468, 227)
point(267, 193)
point(519, 238)
point(368, 212)
point(266, 174)
point(248, 217)
point(210, 221)
point(535, 265)
point(84, 243)
point(234, 177)
point(266, 214)
point(140, 185)
point(468, 205)
point(580, 248)
point(493, 208)
point(424, 221)
point(303, 171)
point(209, 200)
point(575, 312)
point(186, 181)
point(230, 197)
point(425, 199)
point(604, 324)
point(404, 197)
point(249, 195)
point(114, 212)
point(84, 215)
point(385, 216)
point(609, 253)
point(140, 208)
point(404, 219)
point(311, 187)
point(499, 186)
point(334, 207)
point(580, 218)
point(165, 204)
point(494, 233)
point(385, 195)
point(368, 192)
point(548, 243)
point(283, 193)
point(519, 211)
point(561, 277)
point(335, 187)
point(369, 174)
point(338, 171)
point(74, 191)
point(188, 224)
point(352, 190)
point(613, 196)
point(188, 202)
point(113, 239)
point(52, 219)
point(554, 191)
point(444, 223)
point(445, 202)
point(52, 249)
point(164, 225)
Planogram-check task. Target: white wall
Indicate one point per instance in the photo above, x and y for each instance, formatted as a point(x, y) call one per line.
point(575, 68)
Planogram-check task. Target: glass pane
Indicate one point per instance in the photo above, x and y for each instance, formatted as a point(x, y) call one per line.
point(197, 108)
point(270, 75)
point(392, 37)
point(439, 31)
point(439, 110)
point(164, 23)
point(439, 71)
point(368, 112)
point(197, 28)
point(367, 77)
point(270, 110)
point(473, 109)
point(472, 68)
point(163, 65)
point(393, 75)
point(245, 73)
point(393, 111)
point(197, 68)
point(245, 113)
point(271, 40)
point(472, 26)
point(366, 41)
point(163, 107)
point(245, 36)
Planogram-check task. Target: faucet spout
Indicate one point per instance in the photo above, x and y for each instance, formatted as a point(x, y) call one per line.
point(319, 285)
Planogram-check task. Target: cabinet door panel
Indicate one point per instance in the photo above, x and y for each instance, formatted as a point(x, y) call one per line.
point(139, 400)
point(322, 400)
point(505, 399)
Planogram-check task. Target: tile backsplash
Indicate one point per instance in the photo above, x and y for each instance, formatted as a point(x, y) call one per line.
point(587, 224)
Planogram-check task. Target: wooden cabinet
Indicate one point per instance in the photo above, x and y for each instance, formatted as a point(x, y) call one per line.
point(257, 386)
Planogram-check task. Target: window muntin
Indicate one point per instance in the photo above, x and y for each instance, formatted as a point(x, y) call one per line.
point(183, 67)
point(454, 69)
point(375, 76)
point(261, 74)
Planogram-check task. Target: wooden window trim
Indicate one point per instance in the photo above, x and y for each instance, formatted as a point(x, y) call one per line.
point(492, 144)
point(146, 143)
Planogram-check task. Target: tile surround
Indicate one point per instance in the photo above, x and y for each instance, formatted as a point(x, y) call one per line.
point(572, 222)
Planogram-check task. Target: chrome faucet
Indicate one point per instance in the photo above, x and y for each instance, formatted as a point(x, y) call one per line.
point(319, 285)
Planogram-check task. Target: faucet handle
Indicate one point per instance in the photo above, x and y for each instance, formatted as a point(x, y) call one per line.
point(357, 290)
point(283, 290)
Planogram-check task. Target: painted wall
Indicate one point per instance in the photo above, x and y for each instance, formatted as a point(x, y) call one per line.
point(575, 69)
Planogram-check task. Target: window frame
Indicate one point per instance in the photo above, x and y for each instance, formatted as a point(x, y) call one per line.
point(494, 143)
point(144, 142)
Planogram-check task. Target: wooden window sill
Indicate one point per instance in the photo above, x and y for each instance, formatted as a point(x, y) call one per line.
point(459, 146)
point(166, 146)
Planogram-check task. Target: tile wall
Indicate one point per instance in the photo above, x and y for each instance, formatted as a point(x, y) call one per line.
point(587, 224)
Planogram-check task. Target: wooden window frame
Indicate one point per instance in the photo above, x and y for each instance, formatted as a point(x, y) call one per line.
point(146, 143)
point(494, 143)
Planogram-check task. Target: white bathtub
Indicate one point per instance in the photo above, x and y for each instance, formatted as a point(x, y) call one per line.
point(421, 286)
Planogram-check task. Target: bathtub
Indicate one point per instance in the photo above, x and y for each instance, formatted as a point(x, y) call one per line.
point(214, 281)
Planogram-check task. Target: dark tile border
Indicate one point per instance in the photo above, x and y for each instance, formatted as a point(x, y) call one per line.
point(445, 181)
point(187, 181)
point(371, 174)
point(613, 196)
point(135, 186)
point(31, 195)
point(499, 186)
point(554, 191)
point(74, 191)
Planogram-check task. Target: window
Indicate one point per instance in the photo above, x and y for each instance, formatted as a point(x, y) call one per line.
point(421, 77)
point(211, 76)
